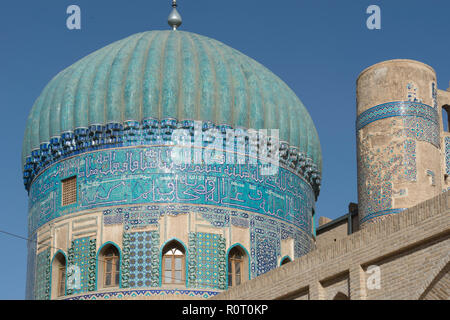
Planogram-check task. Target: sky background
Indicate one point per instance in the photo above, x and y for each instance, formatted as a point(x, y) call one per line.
point(317, 47)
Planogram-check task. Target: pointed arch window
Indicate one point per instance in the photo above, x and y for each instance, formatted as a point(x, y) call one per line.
point(285, 260)
point(446, 118)
point(59, 275)
point(237, 266)
point(109, 272)
point(340, 296)
point(61, 280)
point(174, 259)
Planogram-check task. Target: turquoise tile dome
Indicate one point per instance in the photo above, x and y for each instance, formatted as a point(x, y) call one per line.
point(168, 75)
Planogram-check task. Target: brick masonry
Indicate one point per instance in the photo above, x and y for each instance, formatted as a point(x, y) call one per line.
point(410, 248)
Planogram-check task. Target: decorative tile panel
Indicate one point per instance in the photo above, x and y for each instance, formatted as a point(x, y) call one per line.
point(31, 267)
point(240, 219)
point(261, 228)
point(413, 93)
point(140, 264)
point(265, 253)
point(447, 155)
point(381, 214)
point(151, 132)
point(82, 254)
point(207, 261)
point(380, 167)
point(141, 294)
point(434, 94)
point(147, 175)
point(409, 160)
point(422, 129)
point(265, 241)
point(141, 216)
point(397, 109)
point(42, 285)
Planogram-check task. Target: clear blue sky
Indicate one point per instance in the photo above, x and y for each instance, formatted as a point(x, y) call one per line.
point(317, 47)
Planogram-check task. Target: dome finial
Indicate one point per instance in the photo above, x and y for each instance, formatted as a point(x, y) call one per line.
point(174, 17)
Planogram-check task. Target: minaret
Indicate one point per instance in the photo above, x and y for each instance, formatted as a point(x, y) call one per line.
point(398, 138)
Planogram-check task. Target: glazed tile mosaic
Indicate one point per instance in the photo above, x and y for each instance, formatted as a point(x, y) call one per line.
point(409, 160)
point(207, 261)
point(266, 234)
point(397, 109)
point(412, 92)
point(381, 214)
point(447, 155)
point(422, 129)
point(141, 216)
point(140, 264)
point(378, 172)
point(82, 254)
point(42, 285)
point(146, 175)
point(206, 255)
point(379, 168)
point(146, 293)
point(265, 245)
point(434, 94)
point(31, 267)
point(155, 133)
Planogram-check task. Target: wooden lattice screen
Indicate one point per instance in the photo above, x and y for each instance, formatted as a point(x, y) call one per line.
point(69, 191)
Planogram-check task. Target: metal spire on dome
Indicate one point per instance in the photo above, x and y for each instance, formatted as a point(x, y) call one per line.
point(174, 17)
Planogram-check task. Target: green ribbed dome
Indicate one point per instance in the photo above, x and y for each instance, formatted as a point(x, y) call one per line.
point(169, 74)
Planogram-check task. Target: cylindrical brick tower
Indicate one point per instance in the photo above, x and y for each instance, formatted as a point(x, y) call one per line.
point(398, 144)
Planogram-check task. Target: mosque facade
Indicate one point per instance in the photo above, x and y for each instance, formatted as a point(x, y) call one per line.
point(111, 206)
point(168, 165)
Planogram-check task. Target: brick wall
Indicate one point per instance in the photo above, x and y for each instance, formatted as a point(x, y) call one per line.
point(336, 233)
point(411, 250)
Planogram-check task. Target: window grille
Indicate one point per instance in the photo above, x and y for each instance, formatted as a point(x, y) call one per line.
point(69, 191)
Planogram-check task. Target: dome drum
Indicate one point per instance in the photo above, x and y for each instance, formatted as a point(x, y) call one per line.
point(149, 132)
